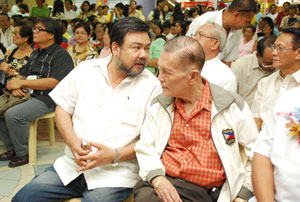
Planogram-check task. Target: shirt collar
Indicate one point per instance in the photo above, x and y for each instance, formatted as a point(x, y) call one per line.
point(50, 49)
point(295, 75)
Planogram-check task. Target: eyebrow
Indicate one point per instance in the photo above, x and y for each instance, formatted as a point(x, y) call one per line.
point(142, 44)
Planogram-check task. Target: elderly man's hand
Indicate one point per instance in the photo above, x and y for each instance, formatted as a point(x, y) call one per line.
point(103, 156)
point(14, 83)
point(165, 190)
point(78, 152)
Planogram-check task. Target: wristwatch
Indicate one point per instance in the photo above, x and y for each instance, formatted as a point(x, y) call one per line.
point(116, 161)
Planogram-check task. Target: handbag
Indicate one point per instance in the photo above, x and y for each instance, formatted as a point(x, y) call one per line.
point(8, 100)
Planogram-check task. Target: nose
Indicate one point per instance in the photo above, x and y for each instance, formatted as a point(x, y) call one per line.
point(160, 77)
point(143, 53)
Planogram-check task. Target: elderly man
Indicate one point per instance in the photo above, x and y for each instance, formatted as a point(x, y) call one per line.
point(286, 58)
point(101, 108)
point(250, 69)
point(45, 68)
point(276, 161)
point(189, 144)
point(212, 38)
point(237, 16)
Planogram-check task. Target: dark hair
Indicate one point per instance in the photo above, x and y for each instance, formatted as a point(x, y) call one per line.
point(252, 27)
point(288, 3)
point(92, 6)
point(69, 1)
point(53, 27)
point(26, 31)
point(160, 26)
point(25, 7)
point(58, 7)
point(166, 24)
point(272, 5)
point(17, 18)
point(243, 6)
point(264, 43)
point(19, 1)
point(85, 26)
point(296, 36)
point(292, 7)
point(5, 15)
point(91, 19)
point(269, 21)
point(158, 2)
point(139, 7)
point(64, 22)
point(109, 26)
point(87, 2)
point(292, 21)
point(75, 20)
point(127, 25)
point(120, 5)
point(182, 25)
point(189, 51)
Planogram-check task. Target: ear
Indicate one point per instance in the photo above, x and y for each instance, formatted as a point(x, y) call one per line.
point(194, 76)
point(216, 45)
point(115, 48)
point(298, 54)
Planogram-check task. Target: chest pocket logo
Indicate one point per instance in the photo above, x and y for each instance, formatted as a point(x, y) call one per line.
point(228, 135)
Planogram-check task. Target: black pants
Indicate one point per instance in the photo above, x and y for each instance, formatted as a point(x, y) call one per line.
point(188, 192)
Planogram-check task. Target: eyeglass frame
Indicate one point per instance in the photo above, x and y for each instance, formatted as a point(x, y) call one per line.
point(280, 49)
point(262, 63)
point(197, 34)
point(38, 30)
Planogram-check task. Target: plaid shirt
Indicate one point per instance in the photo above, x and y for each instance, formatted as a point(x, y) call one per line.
point(190, 153)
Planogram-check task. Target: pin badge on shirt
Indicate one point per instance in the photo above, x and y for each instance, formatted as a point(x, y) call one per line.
point(228, 136)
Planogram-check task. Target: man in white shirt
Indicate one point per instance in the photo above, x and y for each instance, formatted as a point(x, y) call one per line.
point(133, 12)
point(250, 69)
point(101, 108)
point(286, 57)
point(276, 165)
point(212, 38)
point(15, 8)
point(6, 32)
point(237, 16)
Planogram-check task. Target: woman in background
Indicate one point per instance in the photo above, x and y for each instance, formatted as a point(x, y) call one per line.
point(83, 50)
point(247, 43)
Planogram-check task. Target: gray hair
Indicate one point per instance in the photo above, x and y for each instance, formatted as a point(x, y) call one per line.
point(219, 33)
point(190, 52)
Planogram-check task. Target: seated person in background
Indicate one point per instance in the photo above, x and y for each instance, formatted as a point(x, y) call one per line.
point(39, 10)
point(292, 14)
point(133, 12)
point(268, 28)
point(247, 43)
point(156, 47)
point(101, 109)
point(6, 32)
point(98, 36)
point(182, 154)
point(212, 38)
point(275, 168)
point(83, 50)
point(286, 58)
point(45, 68)
point(106, 51)
point(74, 22)
point(250, 69)
point(18, 57)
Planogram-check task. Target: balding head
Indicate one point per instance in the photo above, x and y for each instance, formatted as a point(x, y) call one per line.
point(190, 53)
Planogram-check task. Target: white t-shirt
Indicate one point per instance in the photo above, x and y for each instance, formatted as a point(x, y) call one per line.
point(231, 49)
point(112, 117)
point(283, 150)
point(216, 72)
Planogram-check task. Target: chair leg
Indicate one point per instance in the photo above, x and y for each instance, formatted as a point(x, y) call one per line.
point(32, 142)
point(51, 131)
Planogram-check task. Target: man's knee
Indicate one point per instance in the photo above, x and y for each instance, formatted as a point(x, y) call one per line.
point(29, 192)
point(116, 194)
point(144, 192)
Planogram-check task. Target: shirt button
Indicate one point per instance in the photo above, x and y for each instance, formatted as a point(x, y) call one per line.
point(187, 125)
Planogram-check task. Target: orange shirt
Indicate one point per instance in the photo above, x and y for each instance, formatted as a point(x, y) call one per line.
point(190, 153)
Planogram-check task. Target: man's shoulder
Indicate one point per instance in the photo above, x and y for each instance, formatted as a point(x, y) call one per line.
point(245, 62)
point(269, 80)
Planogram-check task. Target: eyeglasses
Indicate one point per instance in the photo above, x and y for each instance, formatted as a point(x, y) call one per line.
point(279, 48)
point(199, 35)
point(82, 33)
point(268, 66)
point(37, 29)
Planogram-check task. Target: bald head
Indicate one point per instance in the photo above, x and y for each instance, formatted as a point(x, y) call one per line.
point(189, 51)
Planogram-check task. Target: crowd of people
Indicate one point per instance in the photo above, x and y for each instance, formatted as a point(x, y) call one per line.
point(180, 105)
